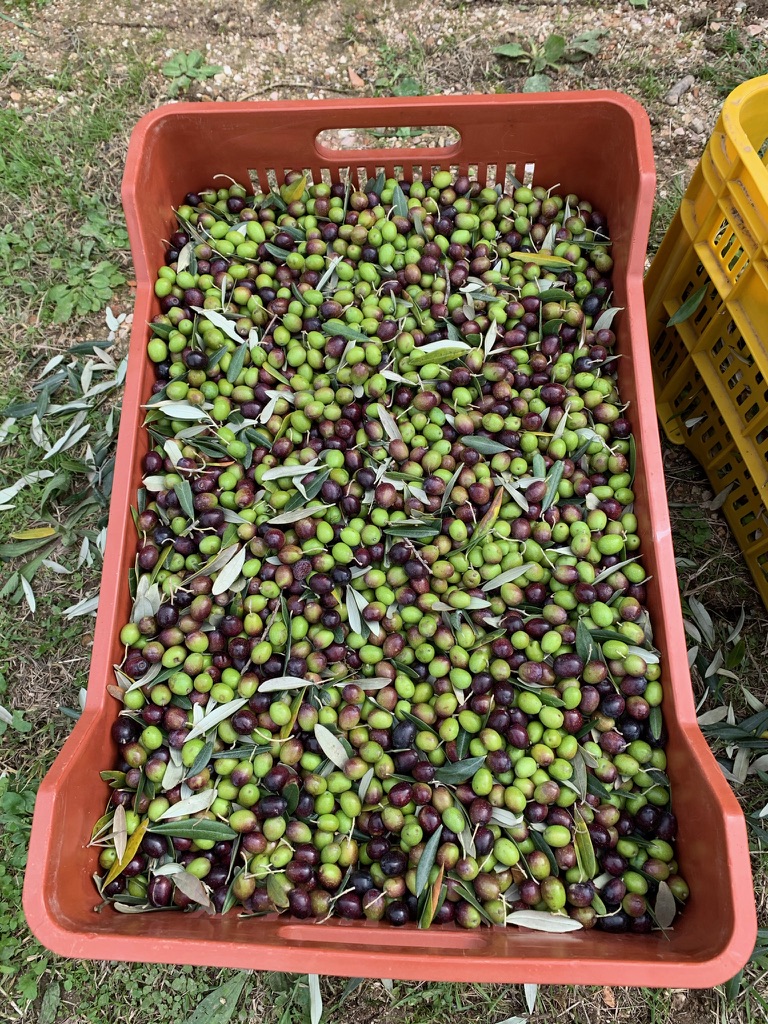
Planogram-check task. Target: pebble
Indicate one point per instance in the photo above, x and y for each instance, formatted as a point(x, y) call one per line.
point(678, 90)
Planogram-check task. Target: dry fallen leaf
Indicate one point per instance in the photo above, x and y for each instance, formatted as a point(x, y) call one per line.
point(609, 998)
point(355, 79)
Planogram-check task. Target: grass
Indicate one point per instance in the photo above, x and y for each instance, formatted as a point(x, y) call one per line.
point(669, 193)
point(60, 166)
point(739, 58)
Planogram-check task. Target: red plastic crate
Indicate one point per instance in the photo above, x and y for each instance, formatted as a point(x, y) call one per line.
point(597, 145)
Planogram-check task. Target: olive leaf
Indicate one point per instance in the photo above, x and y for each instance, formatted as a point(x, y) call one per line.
point(276, 891)
point(147, 601)
point(606, 318)
point(353, 613)
point(417, 224)
point(183, 492)
point(553, 294)
point(650, 657)
point(467, 892)
point(484, 445)
point(191, 805)
point(230, 572)
point(293, 192)
point(584, 642)
point(438, 352)
point(365, 782)
point(459, 771)
point(389, 423)
point(225, 325)
point(328, 273)
point(195, 828)
point(237, 362)
point(219, 1005)
point(507, 577)
point(427, 859)
point(296, 514)
point(123, 907)
point(131, 849)
point(615, 568)
point(664, 908)
point(517, 495)
point(488, 521)
point(338, 327)
point(579, 777)
point(120, 831)
point(540, 259)
point(554, 477)
point(541, 921)
point(689, 307)
point(215, 717)
point(376, 184)
point(315, 999)
point(399, 202)
point(276, 251)
point(202, 759)
point(331, 746)
point(181, 410)
point(501, 816)
point(193, 888)
point(283, 683)
point(374, 683)
point(585, 851)
point(450, 485)
point(282, 472)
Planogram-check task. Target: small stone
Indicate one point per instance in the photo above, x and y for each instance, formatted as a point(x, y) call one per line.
point(678, 90)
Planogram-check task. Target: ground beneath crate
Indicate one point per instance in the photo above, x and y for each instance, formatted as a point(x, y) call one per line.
point(675, 56)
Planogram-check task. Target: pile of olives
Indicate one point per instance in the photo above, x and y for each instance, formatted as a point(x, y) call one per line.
point(389, 655)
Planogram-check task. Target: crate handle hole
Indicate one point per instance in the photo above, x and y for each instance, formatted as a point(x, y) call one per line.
point(436, 138)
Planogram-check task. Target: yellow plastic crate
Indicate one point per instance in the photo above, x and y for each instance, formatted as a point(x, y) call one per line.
point(711, 368)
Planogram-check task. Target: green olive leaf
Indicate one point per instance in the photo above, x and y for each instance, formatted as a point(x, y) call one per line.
point(427, 860)
point(195, 828)
point(183, 492)
point(338, 327)
point(237, 362)
point(554, 477)
point(484, 445)
point(460, 771)
point(438, 352)
point(579, 777)
point(584, 642)
point(689, 307)
point(219, 1005)
point(399, 202)
point(585, 851)
point(276, 251)
point(276, 891)
point(202, 759)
